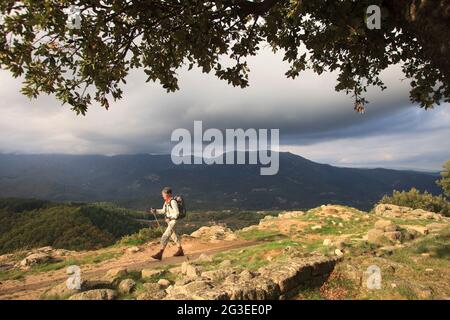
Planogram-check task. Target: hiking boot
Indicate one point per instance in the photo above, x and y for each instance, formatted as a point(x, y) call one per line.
point(179, 252)
point(158, 255)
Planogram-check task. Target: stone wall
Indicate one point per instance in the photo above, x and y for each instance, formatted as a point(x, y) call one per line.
point(279, 280)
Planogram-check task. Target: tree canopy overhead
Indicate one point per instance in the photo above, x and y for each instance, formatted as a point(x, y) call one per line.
point(90, 63)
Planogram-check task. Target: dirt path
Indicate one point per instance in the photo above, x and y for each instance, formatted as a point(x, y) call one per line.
point(34, 285)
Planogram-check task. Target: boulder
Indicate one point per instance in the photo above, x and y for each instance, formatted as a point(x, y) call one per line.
point(204, 258)
point(150, 273)
point(196, 290)
point(60, 291)
point(376, 236)
point(175, 270)
point(132, 250)
point(34, 259)
point(113, 276)
point(417, 229)
point(247, 275)
point(127, 286)
point(151, 286)
point(190, 270)
point(393, 236)
point(191, 288)
point(116, 273)
point(385, 225)
point(164, 283)
point(340, 244)
point(394, 211)
point(97, 294)
point(214, 233)
point(338, 253)
point(216, 275)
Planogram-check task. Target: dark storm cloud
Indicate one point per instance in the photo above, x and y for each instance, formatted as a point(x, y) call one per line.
point(314, 120)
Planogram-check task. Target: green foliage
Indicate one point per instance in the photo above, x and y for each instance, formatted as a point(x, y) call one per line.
point(86, 65)
point(143, 236)
point(19, 205)
point(417, 200)
point(444, 182)
point(61, 226)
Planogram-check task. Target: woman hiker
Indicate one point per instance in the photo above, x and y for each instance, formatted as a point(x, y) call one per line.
point(171, 211)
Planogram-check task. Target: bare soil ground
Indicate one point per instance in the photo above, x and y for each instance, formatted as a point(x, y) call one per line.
point(32, 286)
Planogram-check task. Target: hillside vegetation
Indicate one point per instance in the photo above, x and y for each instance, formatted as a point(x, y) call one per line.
point(417, 200)
point(322, 253)
point(35, 223)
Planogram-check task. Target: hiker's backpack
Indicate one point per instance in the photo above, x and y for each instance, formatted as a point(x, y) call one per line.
point(181, 206)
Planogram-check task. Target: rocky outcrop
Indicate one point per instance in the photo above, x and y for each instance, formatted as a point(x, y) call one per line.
point(97, 294)
point(393, 211)
point(114, 276)
point(42, 255)
point(387, 232)
point(291, 215)
point(152, 291)
point(341, 212)
point(276, 281)
point(34, 259)
point(127, 286)
point(214, 233)
point(151, 273)
point(190, 270)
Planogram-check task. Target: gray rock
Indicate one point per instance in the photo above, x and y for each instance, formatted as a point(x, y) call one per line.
point(204, 258)
point(97, 294)
point(35, 258)
point(152, 291)
point(164, 283)
point(190, 270)
point(384, 225)
point(376, 236)
point(246, 275)
point(114, 276)
point(393, 236)
point(149, 273)
point(127, 286)
point(218, 274)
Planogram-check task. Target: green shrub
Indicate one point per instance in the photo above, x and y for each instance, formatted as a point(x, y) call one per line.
point(417, 200)
point(140, 237)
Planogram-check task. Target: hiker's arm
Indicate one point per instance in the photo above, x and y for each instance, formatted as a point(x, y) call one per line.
point(174, 212)
point(160, 211)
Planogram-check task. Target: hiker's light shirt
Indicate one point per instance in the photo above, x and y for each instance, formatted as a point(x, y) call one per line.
point(170, 209)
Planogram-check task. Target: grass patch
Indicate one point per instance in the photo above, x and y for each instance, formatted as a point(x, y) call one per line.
point(140, 237)
point(251, 258)
point(261, 235)
point(12, 274)
point(407, 292)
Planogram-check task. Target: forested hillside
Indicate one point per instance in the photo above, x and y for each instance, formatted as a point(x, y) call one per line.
point(36, 223)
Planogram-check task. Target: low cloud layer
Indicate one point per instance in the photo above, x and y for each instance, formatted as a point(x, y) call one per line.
point(314, 120)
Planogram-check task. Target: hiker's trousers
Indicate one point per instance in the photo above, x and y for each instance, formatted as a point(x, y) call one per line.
point(170, 234)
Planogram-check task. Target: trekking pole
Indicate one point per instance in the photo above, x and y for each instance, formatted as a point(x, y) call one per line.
point(157, 221)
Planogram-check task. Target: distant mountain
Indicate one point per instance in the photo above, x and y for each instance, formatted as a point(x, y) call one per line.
point(135, 181)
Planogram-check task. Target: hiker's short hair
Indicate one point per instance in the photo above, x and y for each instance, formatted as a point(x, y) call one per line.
point(167, 190)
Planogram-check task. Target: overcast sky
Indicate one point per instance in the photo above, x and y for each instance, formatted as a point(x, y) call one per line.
point(314, 120)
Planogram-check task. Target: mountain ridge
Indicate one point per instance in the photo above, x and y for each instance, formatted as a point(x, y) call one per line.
point(135, 181)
